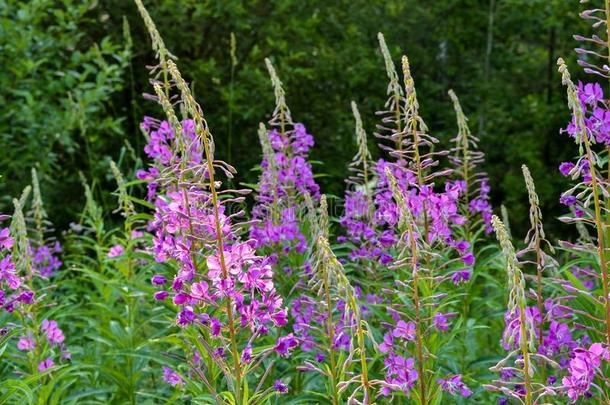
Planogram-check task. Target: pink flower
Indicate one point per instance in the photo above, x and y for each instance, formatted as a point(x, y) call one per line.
point(6, 241)
point(26, 343)
point(45, 364)
point(115, 251)
point(54, 334)
point(404, 330)
point(285, 344)
point(441, 321)
point(171, 377)
point(387, 344)
point(454, 384)
point(582, 368)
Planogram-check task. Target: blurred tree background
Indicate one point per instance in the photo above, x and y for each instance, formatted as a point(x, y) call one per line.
point(74, 72)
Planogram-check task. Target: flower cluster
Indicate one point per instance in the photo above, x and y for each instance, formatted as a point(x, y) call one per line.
point(583, 367)
point(183, 219)
point(587, 199)
point(23, 267)
point(436, 212)
point(221, 287)
point(466, 159)
point(596, 116)
point(454, 385)
point(45, 259)
point(9, 279)
point(285, 178)
point(419, 217)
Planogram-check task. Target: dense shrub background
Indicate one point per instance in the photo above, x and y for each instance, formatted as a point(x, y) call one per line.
point(74, 71)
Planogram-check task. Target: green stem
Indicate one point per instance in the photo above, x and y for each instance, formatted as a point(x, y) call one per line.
point(331, 339)
point(599, 225)
point(419, 342)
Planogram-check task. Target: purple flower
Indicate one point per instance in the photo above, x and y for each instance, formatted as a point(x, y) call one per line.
point(582, 369)
point(161, 295)
point(115, 251)
point(285, 344)
point(568, 200)
point(26, 343)
point(26, 297)
point(404, 330)
point(280, 387)
point(441, 322)
point(8, 273)
point(216, 327)
point(54, 334)
point(590, 93)
point(171, 377)
point(468, 259)
point(158, 279)
point(246, 354)
point(400, 372)
point(454, 385)
point(565, 168)
point(387, 344)
point(186, 316)
point(45, 364)
point(461, 276)
point(6, 241)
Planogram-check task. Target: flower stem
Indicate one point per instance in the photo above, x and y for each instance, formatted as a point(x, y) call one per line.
point(599, 225)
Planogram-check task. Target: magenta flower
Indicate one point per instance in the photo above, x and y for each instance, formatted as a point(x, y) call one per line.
point(171, 377)
point(161, 295)
point(441, 322)
point(26, 343)
point(280, 387)
point(54, 334)
point(246, 354)
point(565, 168)
point(454, 385)
point(285, 344)
point(115, 251)
point(405, 330)
point(582, 369)
point(461, 276)
point(6, 241)
point(8, 273)
point(45, 260)
point(387, 344)
point(468, 259)
point(45, 364)
point(400, 373)
point(158, 279)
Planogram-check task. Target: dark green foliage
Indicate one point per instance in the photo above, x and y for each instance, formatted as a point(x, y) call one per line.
point(68, 102)
point(58, 81)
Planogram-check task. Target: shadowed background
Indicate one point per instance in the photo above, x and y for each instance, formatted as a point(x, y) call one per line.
point(71, 90)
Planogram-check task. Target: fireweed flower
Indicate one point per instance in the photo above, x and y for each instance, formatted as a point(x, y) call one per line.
point(27, 260)
point(115, 251)
point(328, 319)
point(280, 387)
point(171, 377)
point(285, 178)
point(518, 370)
point(26, 343)
point(423, 218)
point(45, 364)
point(370, 246)
point(218, 275)
point(454, 385)
point(286, 186)
point(588, 199)
point(582, 369)
point(472, 182)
